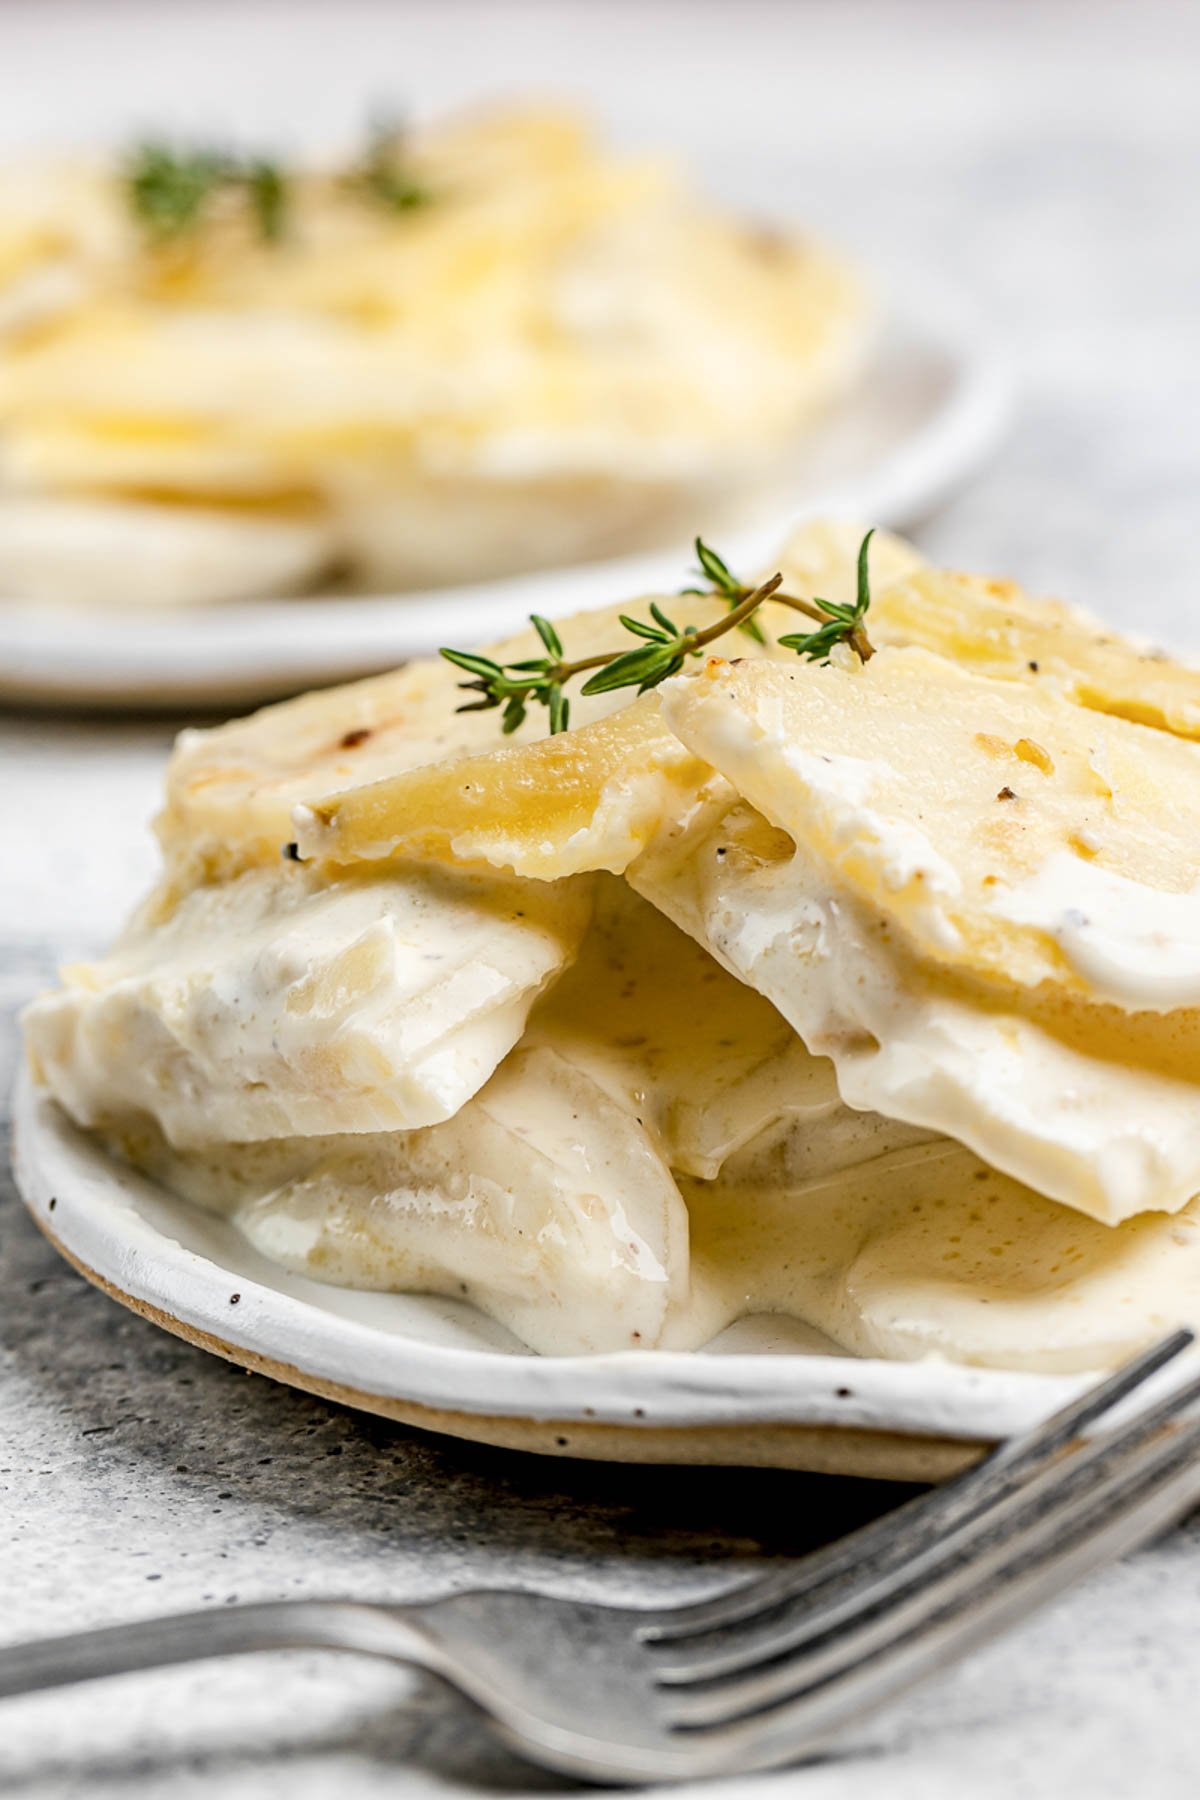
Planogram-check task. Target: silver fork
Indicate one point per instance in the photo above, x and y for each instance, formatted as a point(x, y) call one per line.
point(769, 1672)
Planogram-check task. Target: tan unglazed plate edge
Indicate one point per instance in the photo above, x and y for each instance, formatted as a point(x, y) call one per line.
point(440, 1365)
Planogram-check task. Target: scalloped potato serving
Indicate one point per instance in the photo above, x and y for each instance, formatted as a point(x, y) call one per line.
point(484, 347)
point(826, 944)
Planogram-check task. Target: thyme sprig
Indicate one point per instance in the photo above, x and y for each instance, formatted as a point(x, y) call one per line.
point(382, 176)
point(838, 623)
point(541, 680)
point(722, 581)
point(664, 649)
point(172, 192)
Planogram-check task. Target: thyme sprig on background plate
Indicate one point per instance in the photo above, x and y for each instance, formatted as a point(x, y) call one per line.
point(665, 647)
point(173, 191)
point(382, 176)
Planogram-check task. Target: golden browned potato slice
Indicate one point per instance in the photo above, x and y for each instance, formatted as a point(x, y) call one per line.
point(994, 628)
point(586, 799)
point(590, 801)
point(388, 766)
point(351, 754)
point(1006, 830)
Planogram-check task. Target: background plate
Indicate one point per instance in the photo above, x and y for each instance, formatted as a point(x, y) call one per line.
point(930, 406)
point(752, 1397)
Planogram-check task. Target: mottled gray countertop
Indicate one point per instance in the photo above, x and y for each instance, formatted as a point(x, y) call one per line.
point(1047, 160)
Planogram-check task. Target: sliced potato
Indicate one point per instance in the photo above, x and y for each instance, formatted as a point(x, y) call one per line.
point(542, 1201)
point(105, 552)
point(1006, 830)
point(382, 765)
point(559, 331)
point(993, 628)
point(388, 766)
point(1092, 1106)
point(586, 799)
point(278, 1004)
point(550, 1198)
point(820, 558)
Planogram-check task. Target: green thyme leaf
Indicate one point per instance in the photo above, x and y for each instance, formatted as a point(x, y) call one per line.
point(560, 708)
point(717, 570)
point(474, 665)
point(726, 584)
point(266, 191)
point(173, 191)
point(640, 628)
point(547, 633)
point(170, 190)
point(381, 175)
point(864, 581)
point(629, 669)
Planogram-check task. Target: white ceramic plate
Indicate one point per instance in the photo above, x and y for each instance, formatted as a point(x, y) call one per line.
point(928, 409)
point(762, 1393)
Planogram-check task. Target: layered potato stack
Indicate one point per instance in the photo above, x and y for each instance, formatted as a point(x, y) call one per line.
point(552, 354)
point(866, 993)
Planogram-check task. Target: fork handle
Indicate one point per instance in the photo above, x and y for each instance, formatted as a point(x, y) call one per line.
point(347, 1625)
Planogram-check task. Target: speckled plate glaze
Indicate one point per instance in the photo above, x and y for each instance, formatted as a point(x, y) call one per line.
point(762, 1394)
point(927, 410)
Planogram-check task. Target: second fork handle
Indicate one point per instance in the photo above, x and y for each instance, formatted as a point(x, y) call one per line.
point(188, 1637)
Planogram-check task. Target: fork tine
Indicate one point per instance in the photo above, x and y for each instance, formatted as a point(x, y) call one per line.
point(1065, 1505)
point(1049, 1485)
point(925, 1518)
point(1163, 1490)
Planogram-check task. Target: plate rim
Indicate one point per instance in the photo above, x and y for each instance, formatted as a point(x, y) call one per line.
point(86, 1203)
point(178, 660)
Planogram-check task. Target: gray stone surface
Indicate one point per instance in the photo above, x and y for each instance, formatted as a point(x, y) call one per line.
point(1046, 160)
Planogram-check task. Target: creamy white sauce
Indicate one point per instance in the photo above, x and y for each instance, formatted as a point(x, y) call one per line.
point(928, 1252)
point(901, 853)
point(1107, 1137)
point(1134, 945)
point(544, 1204)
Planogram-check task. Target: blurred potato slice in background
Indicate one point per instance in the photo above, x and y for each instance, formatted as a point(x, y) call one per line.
point(490, 346)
